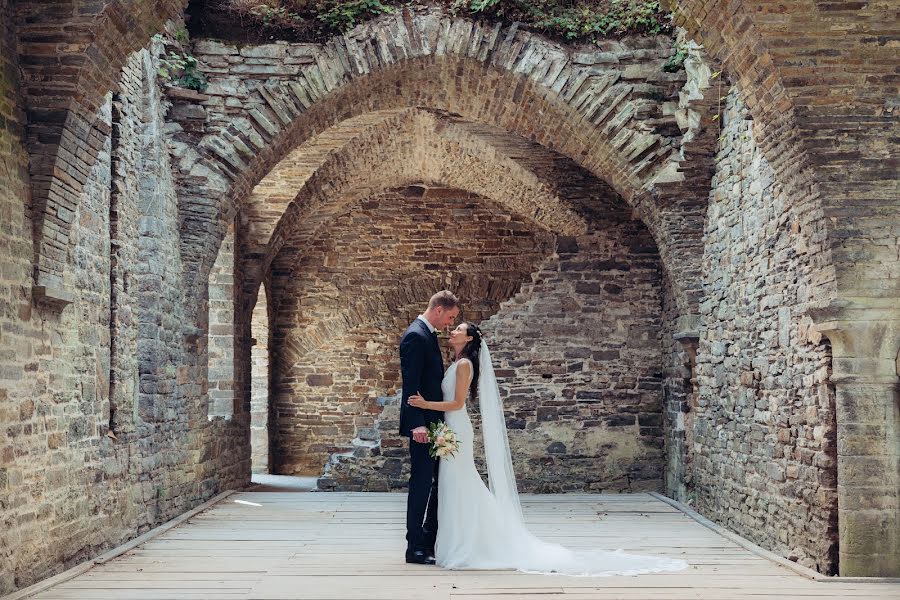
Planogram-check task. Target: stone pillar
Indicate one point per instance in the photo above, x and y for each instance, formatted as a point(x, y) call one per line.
point(221, 346)
point(865, 337)
point(688, 336)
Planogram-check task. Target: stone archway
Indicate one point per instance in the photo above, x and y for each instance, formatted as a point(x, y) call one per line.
point(379, 150)
point(611, 118)
point(795, 159)
point(260, 454)
point(406, 143)
point(821, 104)
point(599, 369)
point(409, 147)
point(821, 92)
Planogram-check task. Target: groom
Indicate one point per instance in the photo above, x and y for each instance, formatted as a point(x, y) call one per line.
point(422, 368)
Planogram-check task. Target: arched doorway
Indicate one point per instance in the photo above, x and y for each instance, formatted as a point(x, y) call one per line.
point(259, 385)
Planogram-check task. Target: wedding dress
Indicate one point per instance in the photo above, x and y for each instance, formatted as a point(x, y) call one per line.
point(481, 528)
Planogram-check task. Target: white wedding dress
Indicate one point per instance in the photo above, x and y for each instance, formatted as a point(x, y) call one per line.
point(481, 528)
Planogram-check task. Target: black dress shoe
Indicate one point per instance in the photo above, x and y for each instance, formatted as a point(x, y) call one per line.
point(419, 557)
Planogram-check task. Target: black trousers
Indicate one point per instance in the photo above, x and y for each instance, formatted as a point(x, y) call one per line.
point(422, 501)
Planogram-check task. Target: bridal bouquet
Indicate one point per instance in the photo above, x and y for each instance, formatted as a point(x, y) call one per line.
point(443, 440)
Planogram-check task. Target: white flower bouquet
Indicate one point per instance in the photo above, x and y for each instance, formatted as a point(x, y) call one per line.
point(443, 440)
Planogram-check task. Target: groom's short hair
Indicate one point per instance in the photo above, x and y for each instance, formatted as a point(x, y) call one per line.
point(445, 299)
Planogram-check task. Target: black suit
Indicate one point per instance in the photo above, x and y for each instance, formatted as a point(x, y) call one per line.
point(422, 369)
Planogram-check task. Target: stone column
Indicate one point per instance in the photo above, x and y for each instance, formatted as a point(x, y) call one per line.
point(682, 408)
point(865, 337)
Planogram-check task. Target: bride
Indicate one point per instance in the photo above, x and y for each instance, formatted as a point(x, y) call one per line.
point(481, 528)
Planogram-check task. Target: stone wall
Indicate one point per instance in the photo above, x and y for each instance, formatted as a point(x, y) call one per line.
point(578, 359)
point(115, 382)
point(679, 399)
point(764, 457)
point(20, 341)
point(357, 287)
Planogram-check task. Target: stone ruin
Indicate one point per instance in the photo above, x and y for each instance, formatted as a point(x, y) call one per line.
point(690, 279)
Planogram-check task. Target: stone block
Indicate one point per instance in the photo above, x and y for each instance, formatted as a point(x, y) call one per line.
point(868, 532)
point(319, 380)
point(868, 565)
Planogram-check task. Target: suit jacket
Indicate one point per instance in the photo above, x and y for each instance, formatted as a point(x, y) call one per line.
point(422, 369)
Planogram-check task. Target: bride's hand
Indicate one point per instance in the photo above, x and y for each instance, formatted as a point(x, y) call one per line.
point(417, 401)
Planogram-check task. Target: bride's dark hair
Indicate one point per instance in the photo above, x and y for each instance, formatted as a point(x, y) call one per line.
point(472, 351)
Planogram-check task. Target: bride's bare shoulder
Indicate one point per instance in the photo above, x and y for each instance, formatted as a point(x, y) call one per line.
point(464, 367)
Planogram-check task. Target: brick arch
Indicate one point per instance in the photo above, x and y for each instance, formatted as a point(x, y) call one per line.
point(346, 179)
point(394, 148)
point(609, 119)
point(291, 247)
point(422, 147)
point(71, 54)
point(303, 191)
point(398, 148)
point(332, 301)
point(300, 227)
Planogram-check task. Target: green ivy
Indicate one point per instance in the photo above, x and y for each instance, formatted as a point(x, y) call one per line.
point(676, 62)
point(274, 16)
point(182, 36)
point(345, 16)
point(182, 70)
point(594, 21)
point(570, 20)
point(482, 5)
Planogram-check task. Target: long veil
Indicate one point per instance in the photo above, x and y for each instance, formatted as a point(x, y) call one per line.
point(501, 477)
point(494, 536)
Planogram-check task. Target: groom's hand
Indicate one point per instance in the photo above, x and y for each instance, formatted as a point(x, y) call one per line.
point(420, 434)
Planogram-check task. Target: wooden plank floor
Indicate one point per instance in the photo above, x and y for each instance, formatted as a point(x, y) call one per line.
point(337, 546)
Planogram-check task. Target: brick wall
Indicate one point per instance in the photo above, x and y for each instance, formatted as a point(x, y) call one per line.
point(221, 342)
point(679, 400)
point(579, 364)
